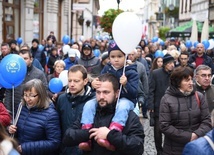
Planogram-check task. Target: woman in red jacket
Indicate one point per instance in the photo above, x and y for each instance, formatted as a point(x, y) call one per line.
point(4, 115)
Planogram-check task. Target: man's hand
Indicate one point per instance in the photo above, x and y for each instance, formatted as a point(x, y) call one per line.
point(99, 133)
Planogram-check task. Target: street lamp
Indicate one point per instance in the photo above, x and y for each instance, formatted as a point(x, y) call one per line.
point(118, 4)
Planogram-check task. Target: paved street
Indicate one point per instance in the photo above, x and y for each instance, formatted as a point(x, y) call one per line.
point(149, 144)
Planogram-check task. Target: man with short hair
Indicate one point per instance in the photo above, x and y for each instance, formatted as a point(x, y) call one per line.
point(183, 60)
point(200, 58)
point(70, 104)
point(128, 142)
point(158, 83)
point(32, 73)
point(142, 94)
point(203, 76)
point(5, 50)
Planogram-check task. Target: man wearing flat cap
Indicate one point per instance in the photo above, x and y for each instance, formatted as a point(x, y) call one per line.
point(158, 83)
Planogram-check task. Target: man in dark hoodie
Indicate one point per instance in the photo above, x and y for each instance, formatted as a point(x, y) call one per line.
point(87, 58)
point(38, 53)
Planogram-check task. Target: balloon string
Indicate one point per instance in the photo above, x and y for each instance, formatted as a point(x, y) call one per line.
point(13, 102)
point(122, 74)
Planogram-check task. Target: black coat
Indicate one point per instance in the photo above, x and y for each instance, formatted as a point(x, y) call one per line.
point(158, 83)
point(180, 116)
point(129, 142)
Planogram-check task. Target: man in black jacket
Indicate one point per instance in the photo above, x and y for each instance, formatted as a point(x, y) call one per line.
point(70, 104)
point(129, 141)
point(158, 83)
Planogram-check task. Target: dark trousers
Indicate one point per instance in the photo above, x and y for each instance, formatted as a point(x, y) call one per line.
point(158, 137)
point(144, 107)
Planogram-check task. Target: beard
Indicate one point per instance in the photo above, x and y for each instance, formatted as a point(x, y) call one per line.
point(104, 105)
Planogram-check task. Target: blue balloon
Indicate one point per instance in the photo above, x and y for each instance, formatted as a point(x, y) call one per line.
point(19, 40)
point(159, 53)
point(195, 44)
point(155, 39)
point(41, 47)
point(206, 44)
point(55, 85)
point(65, 39)
point(162, 43)
point(97, 52)
point(188, 44)
point(13, 69)
point(7, 85)
point(72, 40)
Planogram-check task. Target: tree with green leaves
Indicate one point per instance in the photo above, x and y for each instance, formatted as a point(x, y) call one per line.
point(107, 19)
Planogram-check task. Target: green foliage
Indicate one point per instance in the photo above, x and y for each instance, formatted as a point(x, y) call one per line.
point(172, 13)
point(107, 19)
point(162, 32)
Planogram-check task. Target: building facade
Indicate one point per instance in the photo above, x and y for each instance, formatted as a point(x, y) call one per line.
point(30, 19)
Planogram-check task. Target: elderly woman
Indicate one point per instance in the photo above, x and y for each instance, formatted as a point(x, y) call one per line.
point(59, 66)
point(184, 114)
point(38, 129)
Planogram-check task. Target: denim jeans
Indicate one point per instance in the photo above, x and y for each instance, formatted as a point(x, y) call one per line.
point(121, 114)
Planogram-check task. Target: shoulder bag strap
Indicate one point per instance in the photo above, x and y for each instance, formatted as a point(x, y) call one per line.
point(209, 141)
point(197, 98)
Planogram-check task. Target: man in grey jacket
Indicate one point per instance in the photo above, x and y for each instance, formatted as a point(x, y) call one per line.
point(32, 73)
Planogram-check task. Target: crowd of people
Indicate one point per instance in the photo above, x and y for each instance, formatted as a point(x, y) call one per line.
point(97, 112)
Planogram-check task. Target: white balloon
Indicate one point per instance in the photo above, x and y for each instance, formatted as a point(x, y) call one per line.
point(211, 41)
point(127, 31)
point(65, 49)
point(63, 76)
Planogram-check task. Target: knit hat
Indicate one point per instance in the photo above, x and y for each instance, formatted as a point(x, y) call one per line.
point(104, 56)
point(35, 40)
point(167, 58)
point(113, 46)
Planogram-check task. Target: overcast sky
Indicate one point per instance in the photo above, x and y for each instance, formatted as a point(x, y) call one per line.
point(124, 5)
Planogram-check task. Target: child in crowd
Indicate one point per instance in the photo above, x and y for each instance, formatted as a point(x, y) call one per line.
point(127, 99)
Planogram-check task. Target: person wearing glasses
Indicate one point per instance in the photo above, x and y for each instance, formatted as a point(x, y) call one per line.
point(203, 76)
point(184, 114)
point(38, 128)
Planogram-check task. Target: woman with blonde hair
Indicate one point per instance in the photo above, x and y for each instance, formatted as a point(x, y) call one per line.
point(59, 66)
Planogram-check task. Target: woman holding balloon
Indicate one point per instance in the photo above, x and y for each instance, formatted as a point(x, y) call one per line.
point(38, 128)
point(56, 89)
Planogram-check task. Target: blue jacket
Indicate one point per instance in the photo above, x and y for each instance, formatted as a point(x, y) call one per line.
point(69, 63)
point(130, 91)
point(38, 131)
point(200, 146)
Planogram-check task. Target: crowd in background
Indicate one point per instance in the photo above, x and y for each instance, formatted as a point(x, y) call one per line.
point(164, 70)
